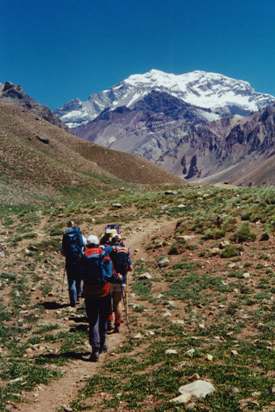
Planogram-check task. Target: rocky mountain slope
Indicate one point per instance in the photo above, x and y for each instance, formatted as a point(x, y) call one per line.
point(38, 158)
point(177, 136)
point(222, 95)
point(14, 93)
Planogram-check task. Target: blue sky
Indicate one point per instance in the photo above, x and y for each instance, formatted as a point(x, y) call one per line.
point(61, 49)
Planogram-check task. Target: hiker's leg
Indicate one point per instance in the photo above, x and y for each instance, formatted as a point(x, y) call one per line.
point(92, 310)
point(110, 315)
point(72, 289)
point(117, 297)
point(104, 311)
point(78, 288)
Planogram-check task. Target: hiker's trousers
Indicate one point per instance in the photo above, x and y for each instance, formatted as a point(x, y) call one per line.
point(74, 282)
point(97, 309)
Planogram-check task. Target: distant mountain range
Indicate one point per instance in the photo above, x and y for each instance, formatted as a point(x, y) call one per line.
point(222, 95)
point(199, 126)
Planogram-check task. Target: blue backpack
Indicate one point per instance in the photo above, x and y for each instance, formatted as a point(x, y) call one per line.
point(72, 244)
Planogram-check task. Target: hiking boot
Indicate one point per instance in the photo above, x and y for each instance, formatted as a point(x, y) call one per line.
point(116, 329)
point(103, 348)
point(94, 356)
point(109, 327)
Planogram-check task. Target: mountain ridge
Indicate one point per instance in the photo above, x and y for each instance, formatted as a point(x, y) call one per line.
point(224, 96)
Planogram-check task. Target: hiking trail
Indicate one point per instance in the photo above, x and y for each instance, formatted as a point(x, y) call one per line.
point(60, 392)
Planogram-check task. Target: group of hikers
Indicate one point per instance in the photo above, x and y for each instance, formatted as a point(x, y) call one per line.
point(97, 270)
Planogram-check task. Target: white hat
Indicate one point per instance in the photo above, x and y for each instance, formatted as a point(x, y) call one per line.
point(92, 240)
point(110, 231)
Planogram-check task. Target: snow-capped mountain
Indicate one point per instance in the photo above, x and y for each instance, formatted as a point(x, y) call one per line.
point(221, 94)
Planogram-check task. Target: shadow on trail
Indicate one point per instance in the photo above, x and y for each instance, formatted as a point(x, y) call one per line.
point(79, 328)
point(79, 319)
point(54, 305)
point(65, 355)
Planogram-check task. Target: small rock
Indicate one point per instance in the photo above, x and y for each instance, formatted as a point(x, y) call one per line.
point(190, 352)
point(146, 276)
point(150, 333)
point(178, 322)
point(171, 304)
point(171, 192)
point(171, 352)
point(181, 206)
point(246, 275)
point(214, 251)
point(163, 262)
point(43, 139)
point(67, 408)
point(209, 357)
point(187, 237)
point(138, 336)
point(234, 352)
point(117, 205)
point(224, 243)
point(167, 314)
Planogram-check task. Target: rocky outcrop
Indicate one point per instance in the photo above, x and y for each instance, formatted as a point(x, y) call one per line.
point(14, 93)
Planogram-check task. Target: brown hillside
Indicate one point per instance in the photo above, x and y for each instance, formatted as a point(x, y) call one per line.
point(35, 152)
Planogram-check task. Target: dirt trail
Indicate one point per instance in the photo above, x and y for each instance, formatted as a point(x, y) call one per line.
point(49, 398)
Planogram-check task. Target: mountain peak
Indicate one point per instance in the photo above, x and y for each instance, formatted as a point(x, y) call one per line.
point(212, 91)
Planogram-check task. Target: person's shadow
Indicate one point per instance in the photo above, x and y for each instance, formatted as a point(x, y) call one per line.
point(52, 305)
point(62, 356)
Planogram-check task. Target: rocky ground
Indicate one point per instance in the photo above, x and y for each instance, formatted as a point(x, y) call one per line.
point(201, 305)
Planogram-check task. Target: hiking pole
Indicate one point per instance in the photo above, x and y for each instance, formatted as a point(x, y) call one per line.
point(63, 281)
point(125, 303)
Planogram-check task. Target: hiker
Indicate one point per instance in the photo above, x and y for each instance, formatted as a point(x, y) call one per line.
point(120, 256)
point(106, 239)
point(73, 245)
point(97, 275)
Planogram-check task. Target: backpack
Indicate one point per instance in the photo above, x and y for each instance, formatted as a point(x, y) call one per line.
point(94, 266)
point(72, 244)
point(120, 258)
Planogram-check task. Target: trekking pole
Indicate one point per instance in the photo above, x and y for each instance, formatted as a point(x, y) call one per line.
point(125, 303)
point(63, 281)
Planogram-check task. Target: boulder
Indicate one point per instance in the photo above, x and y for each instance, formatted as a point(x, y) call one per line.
point(198, 389)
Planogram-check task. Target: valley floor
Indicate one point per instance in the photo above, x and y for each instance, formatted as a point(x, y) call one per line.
point(201, 304)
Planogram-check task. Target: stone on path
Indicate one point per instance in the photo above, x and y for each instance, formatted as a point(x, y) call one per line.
point(198, 389)
point(163, 262)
